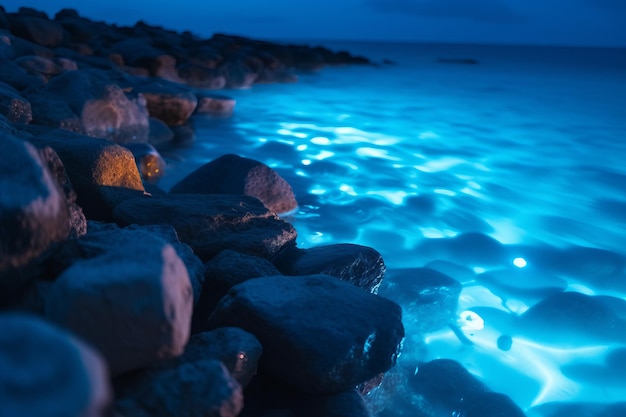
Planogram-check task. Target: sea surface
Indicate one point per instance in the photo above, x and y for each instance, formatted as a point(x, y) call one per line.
point(506, 173)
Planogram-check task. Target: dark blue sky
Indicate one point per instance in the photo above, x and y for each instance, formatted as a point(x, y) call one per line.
point(551, 22)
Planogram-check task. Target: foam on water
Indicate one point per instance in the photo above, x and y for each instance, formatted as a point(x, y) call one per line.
point(526, 148)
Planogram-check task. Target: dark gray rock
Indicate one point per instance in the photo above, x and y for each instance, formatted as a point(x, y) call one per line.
point(232, 174)
point(215, 105)
point(37, 29)
point(160, 133)
point(345, 404)
point(170, 102)
point(226, 270)
point(13, 106)
point(54, 112)
point(237, 349)
point(337, 334)
point(102, 173)
point(17, 77)
point(201, 76)
point(212, 223)
point(29, 382)
point(33, 213)
point(133, 304)
point(38, 65)
point(356, 264)
point(198, 388)
point(238, 75)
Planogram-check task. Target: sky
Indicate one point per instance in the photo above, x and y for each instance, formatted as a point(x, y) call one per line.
point(527, 22)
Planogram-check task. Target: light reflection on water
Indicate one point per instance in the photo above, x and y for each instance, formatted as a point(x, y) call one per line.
point(528, 152)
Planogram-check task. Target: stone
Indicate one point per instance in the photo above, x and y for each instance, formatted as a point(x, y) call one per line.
point(38, 65)
point(102, 173)
point(201, 76)
point(133, 303)
point(232, 174)
point(29, 382)
point(237, 74)
point(150, 163)
point(344, 404)
point(13, 106)
point(33, 213)
point(52, 111)
point(359, 265)
point(167, 101)
point(226, 270)
point(17, 77)
point(37, 29)
point(319, 334)
point(215, 105)
point(198, 388)
point(160, 134)
point(212, 223)
point(237, 349)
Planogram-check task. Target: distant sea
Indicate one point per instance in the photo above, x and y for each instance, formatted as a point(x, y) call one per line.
point(505, 164)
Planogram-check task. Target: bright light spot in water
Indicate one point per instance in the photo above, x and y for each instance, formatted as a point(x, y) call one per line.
point(352, 166)
point(478, 269)
point(444, 192)
point(519, 262)
point(306, 162)
point(347, 189)
point(262, 140)
point(443, 164)
point(428, 135)
point(286, 142)
point(471, 321)
point(320, 140)
point(396, 197)
point(285, 132)
point(375, 153)
point(432, 233)
point(342, 117)
point(322, 155)
point(301, 173)
point(474, 185)
point(317, 191)
point(302, 147)
point(472, 192)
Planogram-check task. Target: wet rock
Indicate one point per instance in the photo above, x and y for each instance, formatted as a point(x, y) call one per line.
point(102, 173)
point(232, 174)
point(359, 265)
point(33, 213)
point(160, 134)
point(29, 381)
point(237, 349)
point(37, 29)
point(150, 163)
point(52, 111)
point(226, 270)
point(167, 101)
point(138, 52)
point(345, 404)
point(338, 334)
point(197, 388)
point(133, 303)
point(215, 105)
point(212, 223)
point(38, 65)
point(17, 77)
point(201, 76)
point(237, 74)
point(13, 106)
point(429, 298)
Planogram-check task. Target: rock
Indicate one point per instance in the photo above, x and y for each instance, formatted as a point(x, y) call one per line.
point(226, 270)
point(167, 101)
point(133, 303)
point(338, 335)
point(102, 173)
point(232, 174)
point(212, 223)
point(160, 133)
point(38, 65)
point(345, 404)
point(13, 106)
point(237, 349)
point(138, 52)
point(429, 298)
point(201, 76)
point(359, 265)
point(237, 74)
point(198, 388)
point(29, 381)
point(37, 29)
point(150, 163)
point(52, 111)
point(15, 76)
point(215, 105)
point(33, 213)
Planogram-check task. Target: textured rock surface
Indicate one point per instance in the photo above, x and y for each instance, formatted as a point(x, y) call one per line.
point(319, 334)
point(46, 372)
point(212, 223)
point(134, 305)
point(232, 174)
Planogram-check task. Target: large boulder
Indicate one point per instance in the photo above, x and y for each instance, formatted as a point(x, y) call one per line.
point(13, 106)
point(37, 29)
point(359, 265)
point(133, 304)
point(170, 102)
point(232, 174)
point(46, 372)
point(338, 335)
point(212, 223)
point(33, 212)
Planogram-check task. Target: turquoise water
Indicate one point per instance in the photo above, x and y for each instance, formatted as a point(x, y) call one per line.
point(512, 168)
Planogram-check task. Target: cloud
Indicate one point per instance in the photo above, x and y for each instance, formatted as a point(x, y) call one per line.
point(492, 11)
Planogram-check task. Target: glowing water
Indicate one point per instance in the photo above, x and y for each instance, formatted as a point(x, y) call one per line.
point(528, 147)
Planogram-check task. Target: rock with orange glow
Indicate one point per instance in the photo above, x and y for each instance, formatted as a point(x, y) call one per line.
point(149, 161)
point(359, 265)
point(47, 372)
point(33, 213)
point(212, 223)
point(170, 102)
point(319, 334)
point(215, 105)
point(232, 174)
point(133, 304)
point(102, 173)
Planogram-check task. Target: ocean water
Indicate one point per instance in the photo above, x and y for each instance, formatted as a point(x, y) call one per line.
point(508, 175)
